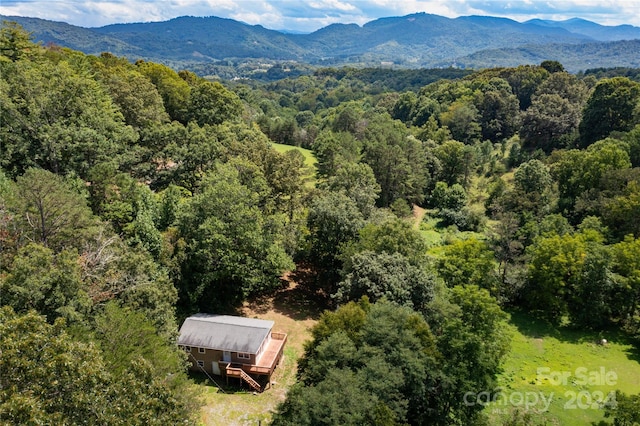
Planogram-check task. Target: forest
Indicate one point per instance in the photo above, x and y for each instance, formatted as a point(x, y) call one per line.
point(133, 195)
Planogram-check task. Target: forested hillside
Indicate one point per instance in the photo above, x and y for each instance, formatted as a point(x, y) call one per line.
point(132, 196)
point(413, 41)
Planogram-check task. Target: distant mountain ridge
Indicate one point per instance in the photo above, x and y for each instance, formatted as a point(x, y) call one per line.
point(417, 40)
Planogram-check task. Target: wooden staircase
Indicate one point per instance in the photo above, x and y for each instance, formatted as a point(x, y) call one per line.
point(239, 372)
point(247, 378)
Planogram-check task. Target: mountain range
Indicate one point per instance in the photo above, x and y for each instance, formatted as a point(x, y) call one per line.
point(412, 41)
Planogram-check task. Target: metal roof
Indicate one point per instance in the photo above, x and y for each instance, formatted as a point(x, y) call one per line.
point(224, 332)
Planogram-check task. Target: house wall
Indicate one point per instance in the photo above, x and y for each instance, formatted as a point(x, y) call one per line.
point(250, 361)
point(212, 355)
point(209, 356)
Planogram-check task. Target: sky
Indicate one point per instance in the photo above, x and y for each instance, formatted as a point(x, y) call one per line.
point(310, 15)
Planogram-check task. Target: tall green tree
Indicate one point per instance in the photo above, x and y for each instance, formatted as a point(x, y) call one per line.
point(47, 377)
point(620, 211)
point(549, 119)
point(49, 283)
point(332, 150)
point(334, 220)
point(469, 261)
point(211, 103)
point(624, 409)
point(136, 97)
point(359, 183)
point(58, 118)
point(388, 276)
point(456, 161)
point(173, 89)
point(382, 352)
point(610, 108)
point(462, 119)
point(398, 161)
point(525, 81)
point(625, 266)
point(390, 236)
point(473, 337)
point(533, 194)
point(15, 42)
point(499, 110)
point(569, 276)
point(48, 211)
point(230, 251)
point(578, 172)
point(126, 336)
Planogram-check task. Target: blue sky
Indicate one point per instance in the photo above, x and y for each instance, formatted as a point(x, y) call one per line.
point(311, 15)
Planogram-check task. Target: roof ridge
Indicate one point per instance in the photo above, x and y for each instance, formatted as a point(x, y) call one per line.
point(208, 319)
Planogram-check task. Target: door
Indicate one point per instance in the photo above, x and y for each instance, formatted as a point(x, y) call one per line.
point(215, 368)
point(226, 356)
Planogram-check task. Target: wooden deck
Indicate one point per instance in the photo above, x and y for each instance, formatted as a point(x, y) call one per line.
point(271, 354)
point(267, 361)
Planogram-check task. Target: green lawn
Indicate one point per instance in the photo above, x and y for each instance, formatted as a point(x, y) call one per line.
point(294, 311)
point(309, 173)
point(566, 370)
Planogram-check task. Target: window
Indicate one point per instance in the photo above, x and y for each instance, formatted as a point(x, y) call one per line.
point(201, 350)
point(187, 348)
point(201, 364)
point(244, 356)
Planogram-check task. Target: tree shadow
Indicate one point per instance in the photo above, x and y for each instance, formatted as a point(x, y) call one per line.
point(634, 351)
point(532, 326)
point(298, 297)
point(301, 299)
point(539, 328)
point(234, 385)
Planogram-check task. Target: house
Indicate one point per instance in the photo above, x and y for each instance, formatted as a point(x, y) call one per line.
point(245, 348)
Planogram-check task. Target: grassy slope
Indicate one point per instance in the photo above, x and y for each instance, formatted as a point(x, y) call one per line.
point(537, 344)
point(309, 172)
point(294, 309)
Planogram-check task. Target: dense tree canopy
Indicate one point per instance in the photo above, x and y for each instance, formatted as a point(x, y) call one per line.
point(132, 195)
point(611, 107)
point(232, 252)
point(49, 378)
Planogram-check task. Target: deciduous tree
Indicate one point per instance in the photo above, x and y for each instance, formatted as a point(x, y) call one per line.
point(610, 108)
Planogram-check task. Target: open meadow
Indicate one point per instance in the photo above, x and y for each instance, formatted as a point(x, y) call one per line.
point(563, 374)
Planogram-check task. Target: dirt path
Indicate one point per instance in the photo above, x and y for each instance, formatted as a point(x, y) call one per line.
point(418, 215)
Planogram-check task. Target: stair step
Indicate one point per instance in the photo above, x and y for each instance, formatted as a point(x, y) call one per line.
point(247, 378)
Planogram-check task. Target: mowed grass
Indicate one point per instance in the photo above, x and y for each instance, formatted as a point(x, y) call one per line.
point(568, 367)
point(294, 309)
point(309, 171)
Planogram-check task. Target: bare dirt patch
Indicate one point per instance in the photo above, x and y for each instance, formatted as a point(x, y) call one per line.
point(418, 215)
point(294, 308)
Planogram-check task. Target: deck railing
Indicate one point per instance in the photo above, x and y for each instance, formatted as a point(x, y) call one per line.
point(238, 372)
point(278, 336)
point(233, 369)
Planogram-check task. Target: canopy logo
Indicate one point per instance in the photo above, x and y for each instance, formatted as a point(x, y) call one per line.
point(583, 399)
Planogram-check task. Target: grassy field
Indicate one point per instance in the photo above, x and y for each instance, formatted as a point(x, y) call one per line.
point(294, 310)
point(568, 367)
point(561, 374)
point(309, 172)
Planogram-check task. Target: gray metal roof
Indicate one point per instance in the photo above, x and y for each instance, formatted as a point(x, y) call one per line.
point(224, 332)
